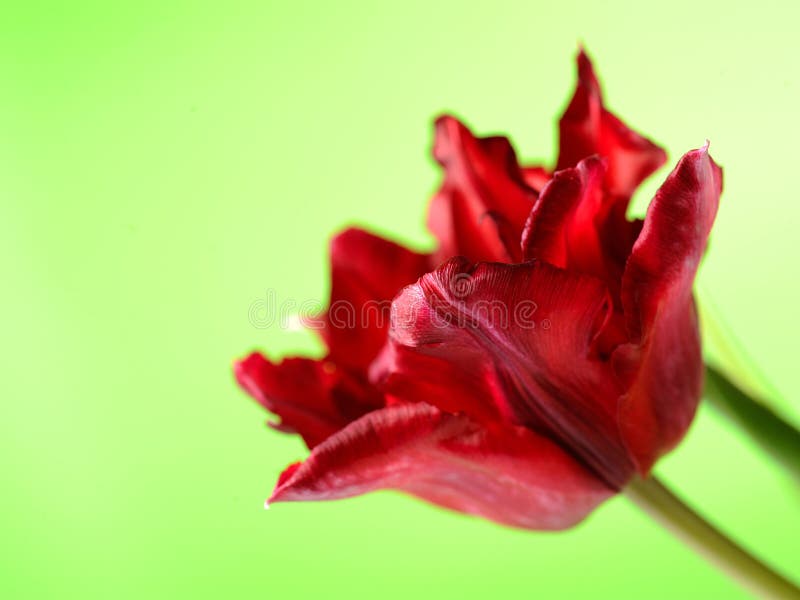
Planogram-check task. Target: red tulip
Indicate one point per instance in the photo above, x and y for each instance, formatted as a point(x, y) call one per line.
point(553, 355)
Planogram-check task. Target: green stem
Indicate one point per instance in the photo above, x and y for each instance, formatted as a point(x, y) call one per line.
point(665, 507)
point(777, 437)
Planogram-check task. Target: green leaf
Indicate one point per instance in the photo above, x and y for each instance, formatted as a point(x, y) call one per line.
point(776, 436)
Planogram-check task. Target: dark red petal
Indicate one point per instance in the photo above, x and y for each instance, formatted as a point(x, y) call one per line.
point(664, 260)
point(483, 203)
point(516, 339)
point(367, 272)
point(664, 358)
point(587, 128)
point(297, 390)
point(313, 398)
point(569, 227)
point(562, 227)
point(505, 474)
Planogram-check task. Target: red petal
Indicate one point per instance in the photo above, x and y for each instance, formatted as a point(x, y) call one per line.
point(506, 474)
point(587, 128)
point(517, 339)
point(484, 201)
point(470, 385)
point(562, 227)
point(312, 398)
point(367, 272)
point(569, 227)
point(664, 358)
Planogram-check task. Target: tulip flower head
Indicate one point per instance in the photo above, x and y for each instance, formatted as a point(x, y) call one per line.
point(542, 356)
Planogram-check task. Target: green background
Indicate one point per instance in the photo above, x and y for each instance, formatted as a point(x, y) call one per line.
point(164, 164)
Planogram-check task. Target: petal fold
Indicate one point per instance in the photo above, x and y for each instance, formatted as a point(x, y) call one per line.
point(509, 475)
point(314, 398)
point(484, 200)
point(562, 228)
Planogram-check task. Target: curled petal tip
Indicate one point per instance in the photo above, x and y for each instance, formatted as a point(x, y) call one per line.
point(593, 162)
point(702, 156)
point(236, 366)
point(586, 74)
point(447, 131)
point(282, 484)
point(240, 368)
point(445, 119)
point(344, 234)
point(273, 497)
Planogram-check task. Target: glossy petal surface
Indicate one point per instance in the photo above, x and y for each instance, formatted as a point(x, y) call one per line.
point(506, 474)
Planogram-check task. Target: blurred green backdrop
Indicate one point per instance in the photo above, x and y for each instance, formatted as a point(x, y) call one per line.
point(164, 164)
